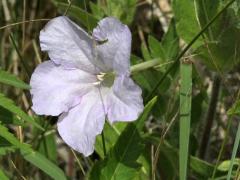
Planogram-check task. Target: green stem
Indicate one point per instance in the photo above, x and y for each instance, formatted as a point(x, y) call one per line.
point(154, 63)
point(104, 146)
point(185, 117)
point(143, 66)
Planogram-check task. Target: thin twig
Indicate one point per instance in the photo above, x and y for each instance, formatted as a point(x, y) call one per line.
point(156, 156)
point(78, 162)
point(165, 131)
point(23, 25)
point(21, 22)
point(20, 174)
point(35, 47)
point(69, 6)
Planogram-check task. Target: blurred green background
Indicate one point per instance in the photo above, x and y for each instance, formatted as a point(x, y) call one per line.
point(198, 101)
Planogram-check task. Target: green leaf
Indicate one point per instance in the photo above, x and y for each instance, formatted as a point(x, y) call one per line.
point(122, 159)
point(7, 117)
point(186, 20)
point(97, 10)
point(224, 54)
point(44, 164)
point(170, 42)
point(6, 150)
point(206, 10)
point(5, 147)
point(139, 76)
point(3, 176)
point(185, 116)
point(201, 167)
point(48, 147)
point(156, 49)
point(120, 162)
point(111, 134)
point(141, 120)
point(235, 109)
point(220, 51)
point(88, 20)
point(33, 157)
point(168, 49)
point(234, 153)
point(235, 8)
point(9, 105)
point(145, 53)
point(12, 139)
point(225, 165)
point(10, 79)
point(123, 10)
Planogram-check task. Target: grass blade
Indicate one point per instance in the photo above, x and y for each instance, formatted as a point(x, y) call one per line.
point(33, 157)
point(9, 105)
point(185, 116)
point(235, 148)
point(44, 164)
point(10, 79)
point(12, 139)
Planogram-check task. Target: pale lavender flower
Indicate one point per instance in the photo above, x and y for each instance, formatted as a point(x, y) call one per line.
point(86, 79)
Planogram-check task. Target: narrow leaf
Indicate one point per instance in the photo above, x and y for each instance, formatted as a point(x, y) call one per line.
point(235, 148)
point(7, 117)
point(44, 164)
point(5, 147)
point(9, 105)
point(33, 157)
point(10, 79)
point(156, 49)
point(185, 116)
point(12, 139)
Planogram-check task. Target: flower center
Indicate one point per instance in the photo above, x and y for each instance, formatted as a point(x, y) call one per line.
point(106, 79)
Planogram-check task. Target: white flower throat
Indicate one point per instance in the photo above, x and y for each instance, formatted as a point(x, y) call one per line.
point(105, 79)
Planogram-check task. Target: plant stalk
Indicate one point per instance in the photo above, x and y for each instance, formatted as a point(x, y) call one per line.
point(210, 117)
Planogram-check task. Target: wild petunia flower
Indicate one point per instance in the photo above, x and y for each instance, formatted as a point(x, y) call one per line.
point(86, 80)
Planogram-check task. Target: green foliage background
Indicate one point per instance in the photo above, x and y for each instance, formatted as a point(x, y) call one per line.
point(186, 53)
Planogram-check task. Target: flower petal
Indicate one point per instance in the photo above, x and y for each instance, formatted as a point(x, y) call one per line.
point(67, 44)
point(54, 89)
point(115, 52)
point(125, 103)
point(80, 126)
